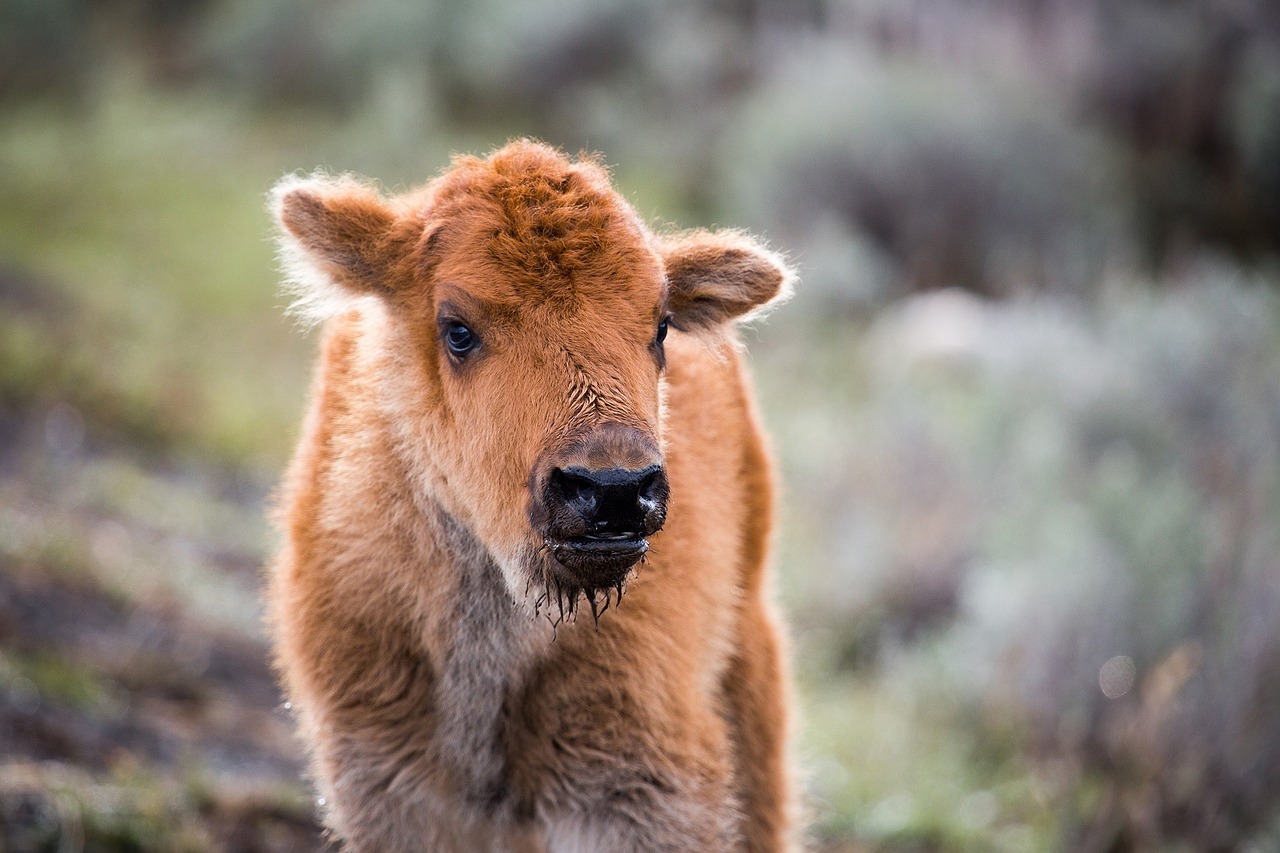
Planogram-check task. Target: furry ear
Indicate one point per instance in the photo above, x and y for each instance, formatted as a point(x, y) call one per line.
point(717, 276)
point(338, 241)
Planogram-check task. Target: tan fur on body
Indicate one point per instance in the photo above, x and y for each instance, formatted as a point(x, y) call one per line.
point(450, 687)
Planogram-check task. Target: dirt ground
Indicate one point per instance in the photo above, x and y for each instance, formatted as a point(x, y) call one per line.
point(133, 716)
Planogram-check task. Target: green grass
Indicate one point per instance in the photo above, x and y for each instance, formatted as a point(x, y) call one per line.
point(131, 809)
point(48, 677)
point(147, 217)
point(892, 767)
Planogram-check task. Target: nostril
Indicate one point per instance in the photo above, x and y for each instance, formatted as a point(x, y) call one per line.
point(651, 496)
point(578, 491)
point(651, 485)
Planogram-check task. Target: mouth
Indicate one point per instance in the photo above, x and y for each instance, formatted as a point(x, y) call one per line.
point(598, 561)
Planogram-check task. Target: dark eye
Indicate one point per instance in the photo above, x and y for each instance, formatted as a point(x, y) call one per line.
point(459, 339)
point(662, 331)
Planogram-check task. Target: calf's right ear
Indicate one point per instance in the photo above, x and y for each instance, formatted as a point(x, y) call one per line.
point(338, 240)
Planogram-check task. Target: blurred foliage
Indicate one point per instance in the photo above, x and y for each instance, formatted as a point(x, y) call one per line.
point(1032, 516)
point(1062, 523)
point(1000, 146)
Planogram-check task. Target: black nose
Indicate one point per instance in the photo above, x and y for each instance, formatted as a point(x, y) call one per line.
point(611, 501)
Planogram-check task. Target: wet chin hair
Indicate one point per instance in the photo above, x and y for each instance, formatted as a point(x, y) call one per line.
point(559, 598)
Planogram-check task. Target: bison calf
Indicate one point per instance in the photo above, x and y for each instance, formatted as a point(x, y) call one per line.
point(529, 410)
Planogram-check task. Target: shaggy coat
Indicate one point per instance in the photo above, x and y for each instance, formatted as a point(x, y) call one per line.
point(522, 600)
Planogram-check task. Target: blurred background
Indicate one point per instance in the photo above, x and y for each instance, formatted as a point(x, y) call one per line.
point(1026, 400)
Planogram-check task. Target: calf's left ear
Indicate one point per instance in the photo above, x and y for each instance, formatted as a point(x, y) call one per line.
point(718, 276)
point(339, 239)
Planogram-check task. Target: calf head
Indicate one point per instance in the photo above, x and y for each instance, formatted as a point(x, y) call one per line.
point(519, 309)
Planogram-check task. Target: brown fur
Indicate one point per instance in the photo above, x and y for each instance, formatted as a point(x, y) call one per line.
point(427, 638)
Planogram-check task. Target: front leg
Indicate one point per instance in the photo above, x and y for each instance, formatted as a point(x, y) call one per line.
point(756, 705)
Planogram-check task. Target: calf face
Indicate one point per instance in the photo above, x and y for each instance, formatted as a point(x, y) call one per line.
point(523, 310)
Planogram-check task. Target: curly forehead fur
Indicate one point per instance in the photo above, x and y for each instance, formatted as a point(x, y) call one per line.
point(541, 215)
